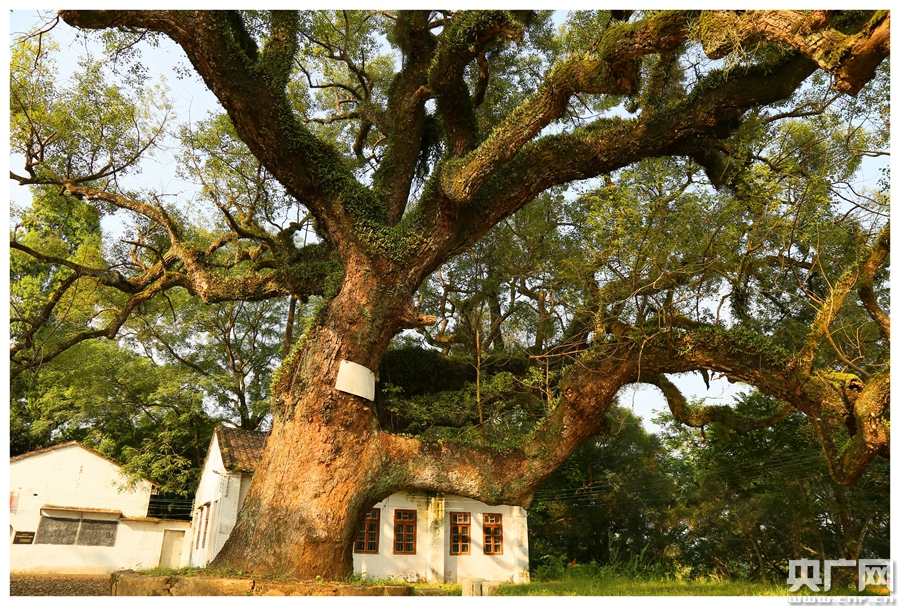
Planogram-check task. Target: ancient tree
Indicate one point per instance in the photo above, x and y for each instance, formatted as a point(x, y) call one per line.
point(407, 136)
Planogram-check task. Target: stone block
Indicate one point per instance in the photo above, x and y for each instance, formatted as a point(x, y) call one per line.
point(490, 588)
point(429, 591)
point(356, 590)
point(471, 587)
point(396, 590)
point(212, 586)
point(373, 590)
point(129, 583)
point(298, 589)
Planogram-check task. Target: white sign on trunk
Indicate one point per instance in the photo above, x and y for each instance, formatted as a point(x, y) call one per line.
point(356, 379)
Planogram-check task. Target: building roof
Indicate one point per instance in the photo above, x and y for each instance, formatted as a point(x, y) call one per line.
point(241, 449)
point(59, 447)
point(69, 445)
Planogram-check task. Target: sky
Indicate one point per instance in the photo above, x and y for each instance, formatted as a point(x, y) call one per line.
point(192, 100)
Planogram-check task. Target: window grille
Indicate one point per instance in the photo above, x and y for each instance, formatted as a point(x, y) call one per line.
point(460, 534)
point(493, 534)
point(367, 537)
point(405, 531)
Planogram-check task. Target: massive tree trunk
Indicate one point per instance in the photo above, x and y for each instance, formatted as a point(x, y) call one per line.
point(320, 472)
point(324, 464)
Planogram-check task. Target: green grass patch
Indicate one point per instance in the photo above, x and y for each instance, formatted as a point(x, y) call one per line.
point(615, 585)
point(594, 580)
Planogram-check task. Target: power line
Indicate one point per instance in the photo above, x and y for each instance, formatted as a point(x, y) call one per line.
point(774, 465)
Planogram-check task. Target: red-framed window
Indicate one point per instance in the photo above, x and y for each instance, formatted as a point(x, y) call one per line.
point(493, 534)
point(405, 531)
point(460, 533)
point(367, 537)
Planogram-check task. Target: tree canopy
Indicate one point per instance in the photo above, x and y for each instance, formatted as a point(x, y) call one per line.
point(631, 195)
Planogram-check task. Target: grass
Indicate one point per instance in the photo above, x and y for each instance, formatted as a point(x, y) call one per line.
point(581, 580)
point(616, 585)
point(594, 580)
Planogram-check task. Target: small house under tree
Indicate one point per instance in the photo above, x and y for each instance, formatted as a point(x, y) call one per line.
point(409, 535)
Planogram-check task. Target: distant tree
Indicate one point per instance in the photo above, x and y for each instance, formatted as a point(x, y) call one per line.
point(750, 502)
point(148, 417)
point(230, 350)
point(611, 502)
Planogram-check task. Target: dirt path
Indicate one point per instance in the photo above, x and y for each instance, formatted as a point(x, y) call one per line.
point(58, 584)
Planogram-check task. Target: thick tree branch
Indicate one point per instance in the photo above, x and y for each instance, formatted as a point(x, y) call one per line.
point(611, 71)
point(253, 94)
point(834, 301)
point(460, 43)
point(483, 79)
point(403, 122)
point(109, 331)
point(154, 213)
point(106, 277)
point(701, 416)
point(850, 407)
point(866, 293)
point(590, 389)
point(851, 59)
point(713, 109)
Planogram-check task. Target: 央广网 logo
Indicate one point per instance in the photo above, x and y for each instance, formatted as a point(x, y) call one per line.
point(808, 573)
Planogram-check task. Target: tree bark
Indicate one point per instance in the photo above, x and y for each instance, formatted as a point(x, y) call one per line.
point(324, 465)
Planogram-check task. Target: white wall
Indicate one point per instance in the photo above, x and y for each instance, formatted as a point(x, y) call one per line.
point(432, 560)
point(224, 491)
point(78, 479)
point(385, 563)
point(509, 567)
point(74, 477)
point(138, 546)
point(207, 492)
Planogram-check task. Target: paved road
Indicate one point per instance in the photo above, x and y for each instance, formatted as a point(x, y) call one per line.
point(55, 584)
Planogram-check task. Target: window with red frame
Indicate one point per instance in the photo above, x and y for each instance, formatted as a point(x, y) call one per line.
point(367, 537)
point(493, 534)
point(405, 531)
point(460, 534)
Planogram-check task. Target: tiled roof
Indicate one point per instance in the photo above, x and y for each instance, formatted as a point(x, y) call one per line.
point(241, 449)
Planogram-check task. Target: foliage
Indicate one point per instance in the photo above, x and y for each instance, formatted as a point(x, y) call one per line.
point(599, 581)
point(703, 504)
point(610, 503)
point(231, 349)
point(749, 503)
point(144, 416)
point(573, 209)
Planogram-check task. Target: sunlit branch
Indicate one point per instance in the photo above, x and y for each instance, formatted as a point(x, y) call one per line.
point(866, 292)
point(700, 416)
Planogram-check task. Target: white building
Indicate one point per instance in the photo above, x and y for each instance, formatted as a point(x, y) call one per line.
point(409, 535)
point(435, 537)
point(71, 512)
point(232, 456)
